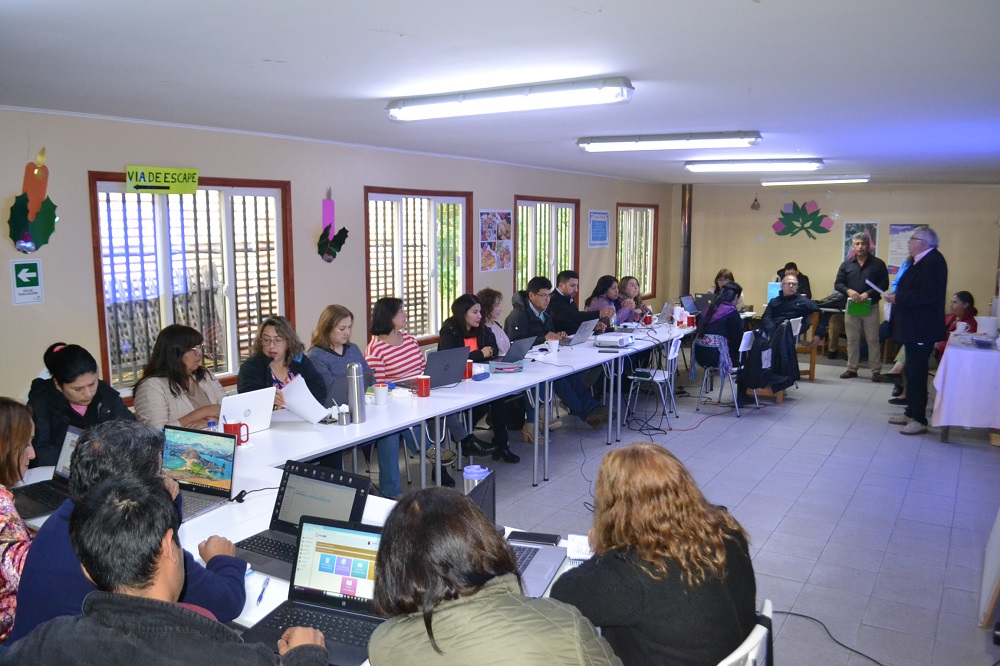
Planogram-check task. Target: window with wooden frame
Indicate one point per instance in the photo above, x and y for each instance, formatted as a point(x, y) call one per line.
point(218, 260)
point(418, 243)
point(546, 237)
point(636, 251)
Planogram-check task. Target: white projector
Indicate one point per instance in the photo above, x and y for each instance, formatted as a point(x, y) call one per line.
point(614, 340)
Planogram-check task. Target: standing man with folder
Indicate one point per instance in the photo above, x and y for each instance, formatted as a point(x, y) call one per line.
point(861, 316)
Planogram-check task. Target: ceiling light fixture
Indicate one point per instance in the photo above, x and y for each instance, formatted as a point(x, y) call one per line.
point(751, 166)
point(607, 144)
point(832, 180)
point(526, 97)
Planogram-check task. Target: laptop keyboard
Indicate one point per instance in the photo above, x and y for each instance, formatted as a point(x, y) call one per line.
point(524, 556)
point(194, 503)
point(263, 545)
point(44, 493)
point(335, 627)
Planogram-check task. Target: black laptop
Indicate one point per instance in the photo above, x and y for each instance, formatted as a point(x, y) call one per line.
point(331, 589)
point(304, 490)
point(703, 301)
point(42, 498)
point(518, 350)
point(446, 368)
point(687, 302)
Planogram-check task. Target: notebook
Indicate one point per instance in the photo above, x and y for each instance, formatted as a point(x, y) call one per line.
point(331, 589)
point(253, 408)
point(446, 368)
point(42, 498)
point(304, 490)
point(201, 462)
point(582, 334)
point(537, 564)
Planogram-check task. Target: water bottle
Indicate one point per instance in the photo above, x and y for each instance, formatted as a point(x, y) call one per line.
point(212, 426)
point(473, 474)
point(356, 392)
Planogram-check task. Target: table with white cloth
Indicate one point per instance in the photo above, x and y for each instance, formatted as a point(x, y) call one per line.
point(968, 387)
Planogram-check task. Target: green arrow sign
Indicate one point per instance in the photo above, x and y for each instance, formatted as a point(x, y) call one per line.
point(26, 280)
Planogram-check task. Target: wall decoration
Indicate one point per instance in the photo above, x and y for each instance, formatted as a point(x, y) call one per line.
point(33, 216)
point(600, 228)
point(496, 247)
point(796, 219)
point(330, 244)
point(899, 246)
point(868, 228)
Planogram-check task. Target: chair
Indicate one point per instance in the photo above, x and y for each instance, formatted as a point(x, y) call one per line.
point(745, 344)
point(756, 649)
point(708, 358)
point(664, 380)
point(806, 347)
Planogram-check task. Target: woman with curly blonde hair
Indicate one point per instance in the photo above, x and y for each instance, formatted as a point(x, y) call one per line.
point(671, 579)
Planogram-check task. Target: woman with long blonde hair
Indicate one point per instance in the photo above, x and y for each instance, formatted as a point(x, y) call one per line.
point(671, 580)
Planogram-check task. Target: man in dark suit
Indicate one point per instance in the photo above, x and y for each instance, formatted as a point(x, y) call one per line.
point(566, 314)
point(918, 322)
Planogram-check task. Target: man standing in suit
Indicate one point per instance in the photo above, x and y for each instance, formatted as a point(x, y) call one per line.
point(918, 322)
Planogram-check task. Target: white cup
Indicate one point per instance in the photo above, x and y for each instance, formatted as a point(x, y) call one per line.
point(961, 327)
point(552, 345)
point(381, 394)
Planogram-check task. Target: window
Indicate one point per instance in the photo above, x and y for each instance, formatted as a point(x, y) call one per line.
point(547, 233)
point(218, 260)
point(636, 254)
point(416, 244)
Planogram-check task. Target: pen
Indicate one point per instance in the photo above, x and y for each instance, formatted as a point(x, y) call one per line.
point(263, 589)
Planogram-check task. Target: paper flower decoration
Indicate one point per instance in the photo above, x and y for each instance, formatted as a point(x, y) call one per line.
point(328, 245)
point(33, 215)
point(795, 219)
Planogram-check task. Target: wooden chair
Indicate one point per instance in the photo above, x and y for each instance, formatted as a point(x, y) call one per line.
point(807, 347)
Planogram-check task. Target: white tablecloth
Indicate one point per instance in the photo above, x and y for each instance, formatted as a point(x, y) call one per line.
point(968, 386)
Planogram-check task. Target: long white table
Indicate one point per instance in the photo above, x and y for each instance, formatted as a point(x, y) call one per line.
point(968, 387)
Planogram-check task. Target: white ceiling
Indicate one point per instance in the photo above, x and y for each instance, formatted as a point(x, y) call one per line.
point(908, 92)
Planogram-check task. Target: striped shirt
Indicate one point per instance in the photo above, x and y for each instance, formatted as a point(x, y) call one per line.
point(394, 363)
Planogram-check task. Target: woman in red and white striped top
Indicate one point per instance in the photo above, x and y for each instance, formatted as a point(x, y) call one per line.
point(392, 354)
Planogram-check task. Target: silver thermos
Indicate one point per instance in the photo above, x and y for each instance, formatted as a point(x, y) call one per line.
point(356, 392)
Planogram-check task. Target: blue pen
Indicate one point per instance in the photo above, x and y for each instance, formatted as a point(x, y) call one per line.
point(263, 589)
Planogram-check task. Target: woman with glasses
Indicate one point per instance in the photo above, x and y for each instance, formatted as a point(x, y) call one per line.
point(277, 357)
point(176, 388)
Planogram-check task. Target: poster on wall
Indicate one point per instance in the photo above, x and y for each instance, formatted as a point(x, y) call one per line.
point(600, 228)
point(899, 246)
point(496, 250)
point(868, 228)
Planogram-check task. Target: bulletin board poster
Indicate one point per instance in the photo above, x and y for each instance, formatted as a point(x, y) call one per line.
point(899, 246)
point(600, 228)
point(496, 248)
point(869, 228)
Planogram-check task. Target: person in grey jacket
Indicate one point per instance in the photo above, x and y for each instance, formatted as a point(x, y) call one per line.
point(449, 585)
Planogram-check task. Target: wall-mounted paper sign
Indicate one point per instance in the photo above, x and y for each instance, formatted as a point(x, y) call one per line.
point(26, 280)
point(161, 180)
point(600, 228)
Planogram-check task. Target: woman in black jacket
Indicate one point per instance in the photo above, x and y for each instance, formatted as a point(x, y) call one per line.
point(279, 357)
point(464, 329)
point(74, 396)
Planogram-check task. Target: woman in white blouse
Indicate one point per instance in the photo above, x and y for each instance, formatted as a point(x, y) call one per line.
point(176, 389)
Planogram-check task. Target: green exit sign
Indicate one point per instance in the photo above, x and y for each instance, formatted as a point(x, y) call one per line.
point(26, 281)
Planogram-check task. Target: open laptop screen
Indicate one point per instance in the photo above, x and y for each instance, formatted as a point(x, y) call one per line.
point(335, 562)
point(199, 458)
point(304, 496)
point(66, 454)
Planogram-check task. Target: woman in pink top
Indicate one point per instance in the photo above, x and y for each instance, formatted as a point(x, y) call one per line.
point(16, 431)
point(491, 300)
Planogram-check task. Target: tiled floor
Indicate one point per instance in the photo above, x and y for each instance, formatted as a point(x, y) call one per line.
point(877, 534)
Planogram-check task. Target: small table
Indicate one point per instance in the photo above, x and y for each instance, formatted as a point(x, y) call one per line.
point(968, 387)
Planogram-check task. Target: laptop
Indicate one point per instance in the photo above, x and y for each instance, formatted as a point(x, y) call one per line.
point(703, 301)
point(201, 462)
point(537, 564)
point(687, 302)
point(304, 490)
point(42, 498)
point(253, 408)
point(518, 350)
point(331, 589)
point(446, 368)
point(582, 334)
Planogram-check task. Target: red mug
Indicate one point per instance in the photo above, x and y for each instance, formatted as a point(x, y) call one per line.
point(241, 430)
point(690, 321)
point(468, 370)
point(423, 386)
point(647, 320)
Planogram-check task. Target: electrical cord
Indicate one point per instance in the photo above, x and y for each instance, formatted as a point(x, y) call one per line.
point(850, 649)
point(242, 495)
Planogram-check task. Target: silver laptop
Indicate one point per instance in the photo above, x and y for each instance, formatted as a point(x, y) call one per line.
point(42, 498)
point(582, 334)
point(331, 589)
point(537, 564)
point(253, 408)
point(201, 462)
point(446, 368)
point(304, 490)
point(518, 350)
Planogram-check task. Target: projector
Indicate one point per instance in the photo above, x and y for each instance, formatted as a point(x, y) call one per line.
point(614, 340)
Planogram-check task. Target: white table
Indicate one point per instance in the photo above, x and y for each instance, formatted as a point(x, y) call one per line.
point(968, 387)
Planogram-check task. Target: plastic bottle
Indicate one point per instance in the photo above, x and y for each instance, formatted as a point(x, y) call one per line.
point(473, 474)
point(212, 426)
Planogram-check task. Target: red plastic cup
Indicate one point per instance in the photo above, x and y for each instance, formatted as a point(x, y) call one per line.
point(468, 369)
point(647, 320)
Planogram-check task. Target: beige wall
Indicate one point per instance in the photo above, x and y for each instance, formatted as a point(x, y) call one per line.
point(726, 233)
point(78, 145)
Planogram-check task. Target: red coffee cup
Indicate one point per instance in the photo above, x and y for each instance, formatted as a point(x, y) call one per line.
point(690, 320)
point(241, 430)
point(421, 386)
point(468, 369)
point(647, 320)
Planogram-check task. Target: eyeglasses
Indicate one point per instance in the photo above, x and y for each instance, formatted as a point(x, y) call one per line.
point(547, 295)
point(272, 342)
point(918, 240)
point(199, 350)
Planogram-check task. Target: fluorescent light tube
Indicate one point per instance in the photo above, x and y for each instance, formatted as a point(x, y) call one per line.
point(750, 166)
point(833, 180)
point(604, 144)
point(583, 92)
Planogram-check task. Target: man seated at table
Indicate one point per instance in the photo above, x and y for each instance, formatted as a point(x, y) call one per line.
point(792, 269)
point(52, 583)
point(564, 310)
point(530, 318)
point(790, 305)
point(124, 532)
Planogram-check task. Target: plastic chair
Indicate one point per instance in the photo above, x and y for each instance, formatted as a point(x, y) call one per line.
point(664, 380)
point(756, 649)
point(708, 358)
point(746, 342)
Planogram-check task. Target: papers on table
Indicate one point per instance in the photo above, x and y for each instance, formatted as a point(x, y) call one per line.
point(300, 401)
point(578, 547)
